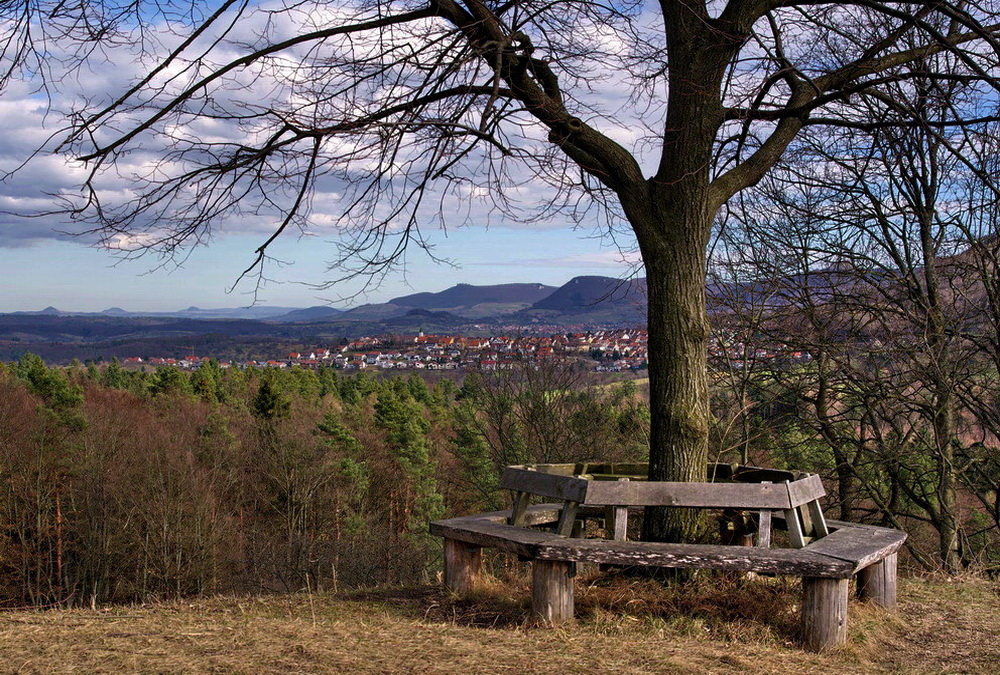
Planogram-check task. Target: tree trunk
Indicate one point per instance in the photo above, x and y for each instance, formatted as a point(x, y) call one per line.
point(678, 368)
point(947, 491)
point(673, 232)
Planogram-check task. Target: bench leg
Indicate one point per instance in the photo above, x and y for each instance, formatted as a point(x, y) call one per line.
point(877, 583)
point(461, 565)
point(552, 590)
point(824, 613)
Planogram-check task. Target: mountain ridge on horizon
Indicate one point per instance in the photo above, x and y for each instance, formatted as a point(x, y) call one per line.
point(58, 335)
point(463, 299)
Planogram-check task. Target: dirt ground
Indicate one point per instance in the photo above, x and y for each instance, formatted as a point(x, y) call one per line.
point(943, 626)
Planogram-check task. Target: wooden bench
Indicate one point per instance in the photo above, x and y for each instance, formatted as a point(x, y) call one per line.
point(826, 554)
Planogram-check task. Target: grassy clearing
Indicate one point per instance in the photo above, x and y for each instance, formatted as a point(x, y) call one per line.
point(624, 626)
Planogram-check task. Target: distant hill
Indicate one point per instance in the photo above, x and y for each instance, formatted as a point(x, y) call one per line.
point(257, 312)
point(81, 328)
point(484, 300)
point(584, 294)
point(317, 313)
point(372, 312)
point(48, 311)
point(818, 286)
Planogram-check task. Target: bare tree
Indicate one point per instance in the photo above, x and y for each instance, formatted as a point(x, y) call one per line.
point(881, 223)
point(389, 99)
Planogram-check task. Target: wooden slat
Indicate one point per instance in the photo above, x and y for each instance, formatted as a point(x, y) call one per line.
point(615, 476)
point(808, 529)
point(817, 519)
point(620, 531)
point(794, 525)
point(840, 524)
point(555, 482)
point(861, 547)
point(605, 469)
point(695, 556)
point(763, 538)
point(538, 514)
point(692, 495)
point(805, 490)
point(519, 540)
point(520, 508)
point(620, 522)
point(566, 519)
point(553, 469)
point(764, 529)
point(566, 488)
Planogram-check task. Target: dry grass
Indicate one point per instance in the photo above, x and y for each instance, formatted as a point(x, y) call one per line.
point(624, 626)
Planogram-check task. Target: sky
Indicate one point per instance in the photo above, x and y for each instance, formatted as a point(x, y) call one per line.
point(71, 276)
point(42, 266)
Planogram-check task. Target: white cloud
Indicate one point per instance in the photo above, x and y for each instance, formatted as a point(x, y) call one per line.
point(477, 203)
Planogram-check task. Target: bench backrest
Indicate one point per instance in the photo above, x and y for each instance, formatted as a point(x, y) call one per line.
point(721, 495)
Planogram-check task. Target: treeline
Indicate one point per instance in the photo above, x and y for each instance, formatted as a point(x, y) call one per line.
point(118, 485)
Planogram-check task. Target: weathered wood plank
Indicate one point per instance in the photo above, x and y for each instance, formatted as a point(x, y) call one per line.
point(462, 562)
point(805, 516)
point(619, 519)
point(794, 525)
point(877, 583)
point(519, 540)
point(764, 528)
point(763, 538)
point(564, 469)
point(840, 524)
point(615, 476)
point(552, 590)
point(517, 513)
point(537, 514)
point(817, 519)
point(805, 490)
point(567, 519)
point(824, 613)
point(860, 547)
point(692, 495)
point(566, 488)
point(616, 470)
point(620, 529)
point(694, 556)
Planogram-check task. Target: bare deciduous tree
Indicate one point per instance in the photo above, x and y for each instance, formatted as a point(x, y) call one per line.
point(405, 105)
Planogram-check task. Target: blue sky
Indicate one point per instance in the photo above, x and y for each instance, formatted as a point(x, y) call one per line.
point(40, 267)
point(71, 276)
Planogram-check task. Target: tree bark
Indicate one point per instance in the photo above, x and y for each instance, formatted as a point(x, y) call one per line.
point(678, 334)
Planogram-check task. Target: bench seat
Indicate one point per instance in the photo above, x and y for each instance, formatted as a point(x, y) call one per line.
point(825, 564)
point(839, 555)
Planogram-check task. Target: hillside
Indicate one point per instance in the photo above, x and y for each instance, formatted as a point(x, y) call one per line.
point(593, 293)
point(467, 295)
point(943, 626)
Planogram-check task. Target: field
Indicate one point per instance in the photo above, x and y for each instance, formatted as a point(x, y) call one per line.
point(624, 626)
